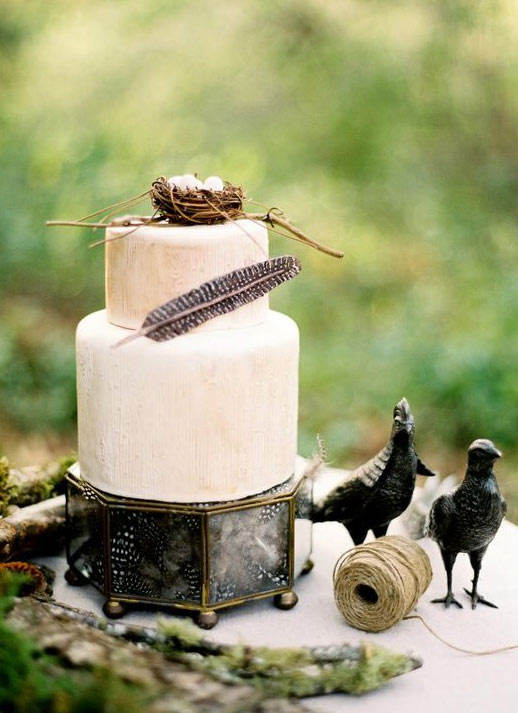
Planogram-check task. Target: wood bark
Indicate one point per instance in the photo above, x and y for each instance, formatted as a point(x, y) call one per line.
point(275, 672)
point(33, 530)
point(172, 685)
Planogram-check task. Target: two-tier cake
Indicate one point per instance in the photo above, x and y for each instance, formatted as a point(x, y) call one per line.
point(186, 491)
point(211, 415)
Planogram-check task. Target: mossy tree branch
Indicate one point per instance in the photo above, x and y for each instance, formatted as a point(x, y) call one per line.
point(20, 487)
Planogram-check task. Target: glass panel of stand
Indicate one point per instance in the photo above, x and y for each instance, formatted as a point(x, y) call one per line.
point(248, 551)
point(85, 535)
point(156, 555)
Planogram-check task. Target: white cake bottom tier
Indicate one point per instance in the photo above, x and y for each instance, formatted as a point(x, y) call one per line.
point(204, 417)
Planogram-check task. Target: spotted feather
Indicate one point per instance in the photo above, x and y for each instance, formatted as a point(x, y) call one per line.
point(216, 297)
point(370, 472)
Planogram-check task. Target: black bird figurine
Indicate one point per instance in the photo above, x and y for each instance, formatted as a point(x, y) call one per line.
point(468, 518)
point(379, 490)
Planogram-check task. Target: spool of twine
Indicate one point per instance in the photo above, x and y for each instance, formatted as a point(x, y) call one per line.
point(376, 585)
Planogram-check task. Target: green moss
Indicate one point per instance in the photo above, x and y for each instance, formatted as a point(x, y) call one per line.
point(33, 682)
point(284, 672)
point(375, 668)
point(293, 673)
point(6, 487)
point(34, 491)
point(181, 632)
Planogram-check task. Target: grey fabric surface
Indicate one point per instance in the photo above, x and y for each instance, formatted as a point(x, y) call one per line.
point(448, 682)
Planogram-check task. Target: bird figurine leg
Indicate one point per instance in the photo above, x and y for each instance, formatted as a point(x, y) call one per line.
point(475, 558)
point(449, 560)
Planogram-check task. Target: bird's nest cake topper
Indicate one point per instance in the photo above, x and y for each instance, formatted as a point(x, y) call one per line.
point(185, 200)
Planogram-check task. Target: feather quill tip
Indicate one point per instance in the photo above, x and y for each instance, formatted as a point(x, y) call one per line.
point(128, 339)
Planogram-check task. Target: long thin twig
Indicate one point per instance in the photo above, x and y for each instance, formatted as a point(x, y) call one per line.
point(76, 224)
point(120, 204)
point(275, 218)
point(132, 229)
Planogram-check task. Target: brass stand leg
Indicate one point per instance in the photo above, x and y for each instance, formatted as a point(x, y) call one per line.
point(206, 619)
point(75, 579)
point(308, 566)
point(287, 600)
point(113, 609)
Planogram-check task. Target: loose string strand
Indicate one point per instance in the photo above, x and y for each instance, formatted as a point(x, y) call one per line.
point(487, 652)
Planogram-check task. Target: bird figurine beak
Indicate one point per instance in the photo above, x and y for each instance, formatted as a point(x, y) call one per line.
point(403, 419)
point(402, 410)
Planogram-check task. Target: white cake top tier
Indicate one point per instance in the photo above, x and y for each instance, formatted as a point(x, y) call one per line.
point(153, 264)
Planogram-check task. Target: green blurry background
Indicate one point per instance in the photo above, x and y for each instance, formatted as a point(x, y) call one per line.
point(386, 129)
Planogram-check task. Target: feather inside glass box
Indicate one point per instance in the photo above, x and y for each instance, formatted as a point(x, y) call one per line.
point(189, 491)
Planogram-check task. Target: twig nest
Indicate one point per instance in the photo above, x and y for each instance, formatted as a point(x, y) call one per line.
point(185, 200)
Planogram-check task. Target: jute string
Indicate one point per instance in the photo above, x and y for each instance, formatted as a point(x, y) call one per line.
point(377, 585)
